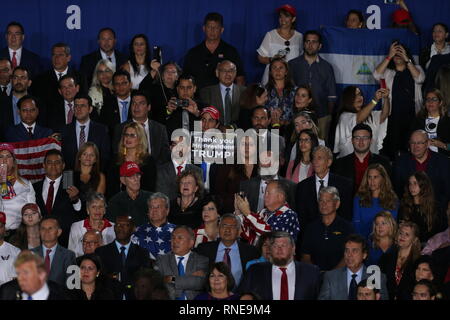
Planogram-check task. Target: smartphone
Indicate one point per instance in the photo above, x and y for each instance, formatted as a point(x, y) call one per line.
point(157, 54)
point(67, 179)
point(390, 1)
point(382, 84)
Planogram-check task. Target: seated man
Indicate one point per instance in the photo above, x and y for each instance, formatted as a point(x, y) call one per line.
point(355, 164)
point(56, 258)
point(155, 235)
point(228, 248)
point(27, 129)
point(365, 292)
point(225, 95)
point(276, 215)
point(184, 271)
point(341, 284)
point(275, 280)
point(92, 239)
point(132, 201)
point(324, 238)
point(121, 258)
point(8, 252)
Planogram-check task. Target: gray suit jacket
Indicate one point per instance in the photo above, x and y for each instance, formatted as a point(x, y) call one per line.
point(211, 95)
point(62, 259)
point(166, 178)
point(335, 287)
point(191, 285)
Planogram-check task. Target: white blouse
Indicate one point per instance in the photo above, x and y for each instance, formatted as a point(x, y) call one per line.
point(13, 207)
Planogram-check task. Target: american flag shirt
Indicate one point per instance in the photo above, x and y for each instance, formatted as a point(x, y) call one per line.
point(282, 219)
point(155, 239)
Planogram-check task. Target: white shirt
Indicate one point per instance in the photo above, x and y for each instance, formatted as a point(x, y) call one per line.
point(175, 164)
point(303, 172)
point(276, 281)
point(77, 231)
point(51, 254)
point(66, 109)
point(28, 126)
point(18, 54)
point(112, 56)
point(121, 107)
point(46, 185)
point(41, 294)
point(78, 130)
point(8, 254)
point(325, 182)
point(63, 73)
point(13, 207)
point(184, 261)
point(358, 276)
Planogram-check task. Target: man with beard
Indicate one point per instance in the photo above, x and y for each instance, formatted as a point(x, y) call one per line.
point(355, 164)
point(284, 278)
point(310, 69)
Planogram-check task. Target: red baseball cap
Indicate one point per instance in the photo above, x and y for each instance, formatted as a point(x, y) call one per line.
point(2, 217)
point(213, 112)
point(401, 16)
point(8, 147)
point(129, 168)
point(32, 206)
point(288, 8)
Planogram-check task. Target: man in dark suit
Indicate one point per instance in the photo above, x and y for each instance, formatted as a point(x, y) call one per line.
point(228, 248)
point(308, 189)
point(341, 284)
point(272, 281)
point(27, 129)
point(355, 164)
point(46, 85)
point(421, 158)
point(56, 258)
point(84, 129)
point(31, 282)
point(18, 55)
point(106, 40)
point(184, 271)
point(53, 200)
point(224, 95)
point(156, 133)
point(5, 77)
point(122, 258)
point(166, 174)
point(115, 110)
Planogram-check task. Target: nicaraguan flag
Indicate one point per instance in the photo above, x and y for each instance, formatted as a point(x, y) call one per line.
point(355, 53)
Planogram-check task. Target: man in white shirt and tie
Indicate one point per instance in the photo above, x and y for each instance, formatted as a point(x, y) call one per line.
point(68, 89)
point(5, 77)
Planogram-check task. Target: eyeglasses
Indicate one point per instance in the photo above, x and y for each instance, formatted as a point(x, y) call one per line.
point(305, 140)
point(433, 99)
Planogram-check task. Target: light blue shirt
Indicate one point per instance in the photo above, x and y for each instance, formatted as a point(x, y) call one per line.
point(236, 266)
point(127, 247)
point(358, 276)
point(15, 110)
point(51, 254)
point(78, 130)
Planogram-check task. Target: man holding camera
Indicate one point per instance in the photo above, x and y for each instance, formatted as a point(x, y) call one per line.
point(184, 110)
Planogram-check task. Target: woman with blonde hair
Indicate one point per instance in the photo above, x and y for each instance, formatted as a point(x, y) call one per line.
point(382, 238)
point(101, 88)
point(133, 146)
point(375, 194)
point(398, 263)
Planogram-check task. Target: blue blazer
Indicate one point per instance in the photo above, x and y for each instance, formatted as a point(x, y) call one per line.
point(20, 133)
point(98, 134)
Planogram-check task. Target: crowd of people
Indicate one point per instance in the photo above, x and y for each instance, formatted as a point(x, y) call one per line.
point(301, 213)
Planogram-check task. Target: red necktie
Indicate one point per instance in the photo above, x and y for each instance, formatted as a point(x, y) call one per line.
point(284, 290)
point(179, 170)
point(226, 257)
point(49, 202)
point(47, 261)
point(70, 113)
point(14, 61)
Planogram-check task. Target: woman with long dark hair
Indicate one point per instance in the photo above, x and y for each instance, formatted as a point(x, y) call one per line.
point(27, 235)
point(301, 168)
point(439, 45)
point(419, 206)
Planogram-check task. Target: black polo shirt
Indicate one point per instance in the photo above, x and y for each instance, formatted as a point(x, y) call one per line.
point(201, 63)
point(325, 244)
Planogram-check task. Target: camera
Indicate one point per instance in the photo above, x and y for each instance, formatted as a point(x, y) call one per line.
point(182, 103)
point(157, 54)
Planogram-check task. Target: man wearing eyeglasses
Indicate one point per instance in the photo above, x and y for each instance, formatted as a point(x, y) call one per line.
point(311, 69)
point(421, 158)
point(106, 40)
point(224, 95)
point(84, 129)
point(355, 164)
point(17, 54)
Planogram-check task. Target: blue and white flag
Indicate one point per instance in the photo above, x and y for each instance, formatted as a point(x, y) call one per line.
point(355, 53)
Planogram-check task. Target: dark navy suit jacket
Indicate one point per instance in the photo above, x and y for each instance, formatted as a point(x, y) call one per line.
point(29, 60)
point(20, 133)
